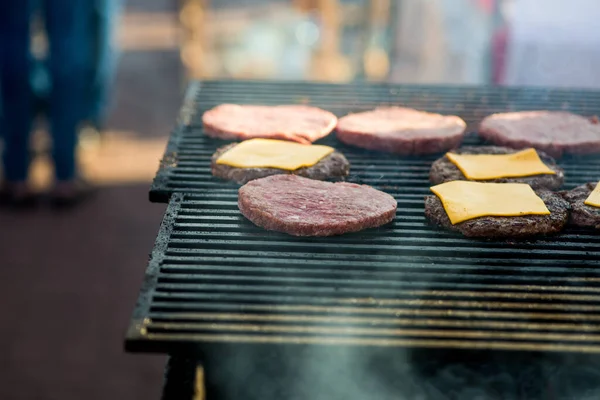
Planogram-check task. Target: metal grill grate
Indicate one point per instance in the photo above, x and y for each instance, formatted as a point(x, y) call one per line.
point(216, 278)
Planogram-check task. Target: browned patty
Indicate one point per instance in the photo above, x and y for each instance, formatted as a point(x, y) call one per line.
point(401, 130)
point(444, 170)
point(297, 123)
point(333, 166)
point(582, 215)
point(305, 207)
point(554, 132)
point(504, 227)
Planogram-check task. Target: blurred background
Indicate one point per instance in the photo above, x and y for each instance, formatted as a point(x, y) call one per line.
point(69, 280)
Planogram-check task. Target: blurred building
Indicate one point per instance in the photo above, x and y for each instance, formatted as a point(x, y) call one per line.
point(432, 41)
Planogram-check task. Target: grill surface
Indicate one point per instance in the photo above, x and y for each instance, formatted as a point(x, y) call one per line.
point(213, 277)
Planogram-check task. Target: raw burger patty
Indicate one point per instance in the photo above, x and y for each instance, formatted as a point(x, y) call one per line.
point(554, 132)
point(582, 215)
point(297, 123)
point(332, 166)
point(401, 130)
point(443, 170)
point(306, 207)
point(504, 227)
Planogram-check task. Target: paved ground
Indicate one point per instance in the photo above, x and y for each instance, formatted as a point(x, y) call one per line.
point(68, 281)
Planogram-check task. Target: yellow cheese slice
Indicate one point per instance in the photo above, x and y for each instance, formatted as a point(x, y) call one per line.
point(270, 153)
point(493, 166)
point(594, 197)
point(465, 200)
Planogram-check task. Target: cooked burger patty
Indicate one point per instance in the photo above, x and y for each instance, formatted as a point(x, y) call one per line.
point(554, 132)
point(401, 130)
point(297, 123)
point(306, 207)
point(443, 170)
point(332, 166)
point(505, 227)
point(582, 215)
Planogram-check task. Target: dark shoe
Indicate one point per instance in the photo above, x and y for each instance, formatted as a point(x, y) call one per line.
point(5, 195)
point(71, 193)
point(18, 195)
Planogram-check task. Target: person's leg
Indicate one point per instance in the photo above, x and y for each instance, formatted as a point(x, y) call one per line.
point(71, 67)
point(102, 35)
point(17, 106)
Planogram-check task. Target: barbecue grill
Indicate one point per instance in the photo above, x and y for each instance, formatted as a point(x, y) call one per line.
point(224, 291)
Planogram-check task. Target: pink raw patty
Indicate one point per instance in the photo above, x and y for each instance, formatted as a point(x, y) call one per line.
point(298, 123)
point(554, 132)
point(401, 130)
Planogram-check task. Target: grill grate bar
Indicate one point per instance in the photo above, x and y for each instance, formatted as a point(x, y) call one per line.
point(243, 228)
point(368, 248)
point(326, 267)
point(440, 282)
point(328, 307)
point(257, 294)
point(274, 304)
point(282, 266)
point(352, 331)
point(424, 257)
point(180, 284)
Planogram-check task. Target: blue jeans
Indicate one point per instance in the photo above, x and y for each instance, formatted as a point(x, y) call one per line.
point(102, 34)
point(71, 68)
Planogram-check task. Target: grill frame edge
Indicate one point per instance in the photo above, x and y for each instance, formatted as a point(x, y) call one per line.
point(136, 330)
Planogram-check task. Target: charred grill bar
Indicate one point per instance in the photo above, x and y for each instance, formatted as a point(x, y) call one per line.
point(232, 294)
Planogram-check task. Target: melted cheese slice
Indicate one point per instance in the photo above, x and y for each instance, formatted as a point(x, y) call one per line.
point(493, 166)
point(594, 197)
point(270, 153)
point(465, 200)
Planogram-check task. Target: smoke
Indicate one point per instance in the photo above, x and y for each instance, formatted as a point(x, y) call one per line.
point(312, 372)
point(319, 372)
